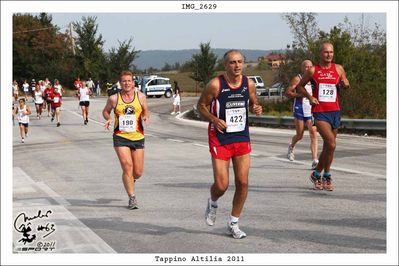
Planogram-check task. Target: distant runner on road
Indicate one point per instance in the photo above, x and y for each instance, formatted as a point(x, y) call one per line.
point(23, 111)
point(130, 109)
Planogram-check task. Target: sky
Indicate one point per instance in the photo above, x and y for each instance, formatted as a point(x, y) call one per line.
point(175, 31)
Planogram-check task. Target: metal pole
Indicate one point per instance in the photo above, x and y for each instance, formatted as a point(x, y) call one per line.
point(72, 40)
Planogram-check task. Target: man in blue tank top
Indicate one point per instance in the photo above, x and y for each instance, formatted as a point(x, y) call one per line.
point(302, 111)
point(225, 103)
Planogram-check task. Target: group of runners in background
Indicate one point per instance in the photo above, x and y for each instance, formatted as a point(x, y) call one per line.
point(47, 97)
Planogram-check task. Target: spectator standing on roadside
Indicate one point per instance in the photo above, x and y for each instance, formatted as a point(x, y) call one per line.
point(176, 99)
point(98, 88)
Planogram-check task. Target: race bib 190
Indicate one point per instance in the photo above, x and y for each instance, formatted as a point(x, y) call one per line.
point(236, 119)
point(327, 92)
point(127, 123)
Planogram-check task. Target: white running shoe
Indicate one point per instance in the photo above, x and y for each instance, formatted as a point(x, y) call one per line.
point(178, 112)
point(23, 140)
point(235, 231)
point(210, 213)
point(314, 164)
point(290, 153)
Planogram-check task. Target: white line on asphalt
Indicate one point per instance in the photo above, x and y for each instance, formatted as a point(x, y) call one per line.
point(333, 168)
point(79, 115)
point(176, 140)
point(200, 145)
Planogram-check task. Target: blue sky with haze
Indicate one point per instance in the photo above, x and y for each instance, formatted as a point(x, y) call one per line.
point(174, 31)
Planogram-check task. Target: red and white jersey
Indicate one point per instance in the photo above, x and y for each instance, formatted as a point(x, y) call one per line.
point(56, 97)
point(325, 81)
point(78, 84)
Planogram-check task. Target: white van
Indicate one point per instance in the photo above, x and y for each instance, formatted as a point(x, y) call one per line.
point(259, 84)
point(156, 86)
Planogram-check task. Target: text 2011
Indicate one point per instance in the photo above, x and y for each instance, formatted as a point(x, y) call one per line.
point(235, 258)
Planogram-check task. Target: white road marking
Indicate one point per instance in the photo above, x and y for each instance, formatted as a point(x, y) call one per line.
point(333, 168)
point(176, 140)
point(200, 145)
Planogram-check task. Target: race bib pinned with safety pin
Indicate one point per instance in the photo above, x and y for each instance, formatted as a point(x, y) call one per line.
point(327, 92)
point(127, 123)
point(236, 119)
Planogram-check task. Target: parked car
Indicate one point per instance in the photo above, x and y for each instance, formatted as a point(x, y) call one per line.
point(259, 84)
point(156, 86)
point(276, 89)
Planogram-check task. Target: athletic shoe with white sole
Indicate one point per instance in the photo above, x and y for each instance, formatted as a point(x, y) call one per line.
point(317, 185)
point(210, 213)
point(314, 164)
point(235, 231)
point(290, 153)
point(133, 203)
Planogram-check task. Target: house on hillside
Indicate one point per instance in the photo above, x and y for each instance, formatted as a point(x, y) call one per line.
point(273, 60)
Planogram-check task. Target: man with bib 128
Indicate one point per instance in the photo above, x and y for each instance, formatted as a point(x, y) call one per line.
point(130, 109)
point(225, 103)
point(327, 79)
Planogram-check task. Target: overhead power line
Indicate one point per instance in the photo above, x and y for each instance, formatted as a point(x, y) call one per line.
point(40, 29)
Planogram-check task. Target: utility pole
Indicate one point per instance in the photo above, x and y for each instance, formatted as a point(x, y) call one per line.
point(72, 40)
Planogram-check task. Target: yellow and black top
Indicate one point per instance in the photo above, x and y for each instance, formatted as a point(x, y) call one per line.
point(128, 123)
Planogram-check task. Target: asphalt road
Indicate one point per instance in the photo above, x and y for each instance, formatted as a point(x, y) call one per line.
point(74, 172)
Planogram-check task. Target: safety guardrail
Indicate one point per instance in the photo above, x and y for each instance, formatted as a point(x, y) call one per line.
point(358, 124)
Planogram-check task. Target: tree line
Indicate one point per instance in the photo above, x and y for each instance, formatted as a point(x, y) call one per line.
point(40, 50)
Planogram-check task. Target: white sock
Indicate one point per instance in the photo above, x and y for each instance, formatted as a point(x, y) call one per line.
point(214, 203)
point(233, 219)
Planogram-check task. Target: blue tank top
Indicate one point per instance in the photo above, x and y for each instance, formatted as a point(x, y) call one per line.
point(231, 105)
point(302, 107)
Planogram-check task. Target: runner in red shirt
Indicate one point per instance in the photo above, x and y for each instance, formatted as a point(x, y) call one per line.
point(46, 96)
point(78, 83)
point(328, 78)
point(55, 105)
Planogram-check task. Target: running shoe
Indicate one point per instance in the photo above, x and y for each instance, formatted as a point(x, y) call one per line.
point(85, 122)
point(327, 183)
point(58, 124)
point(234, 230)
point(52, 119)
point(133, 203)
point(210, 213)
point(317, 185)
point(314, 164)
point(290, 153)
point(178, 112)
point(23, 140)
point(172, 113)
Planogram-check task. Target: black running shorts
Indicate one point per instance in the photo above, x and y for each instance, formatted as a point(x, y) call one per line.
point(122, 142)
